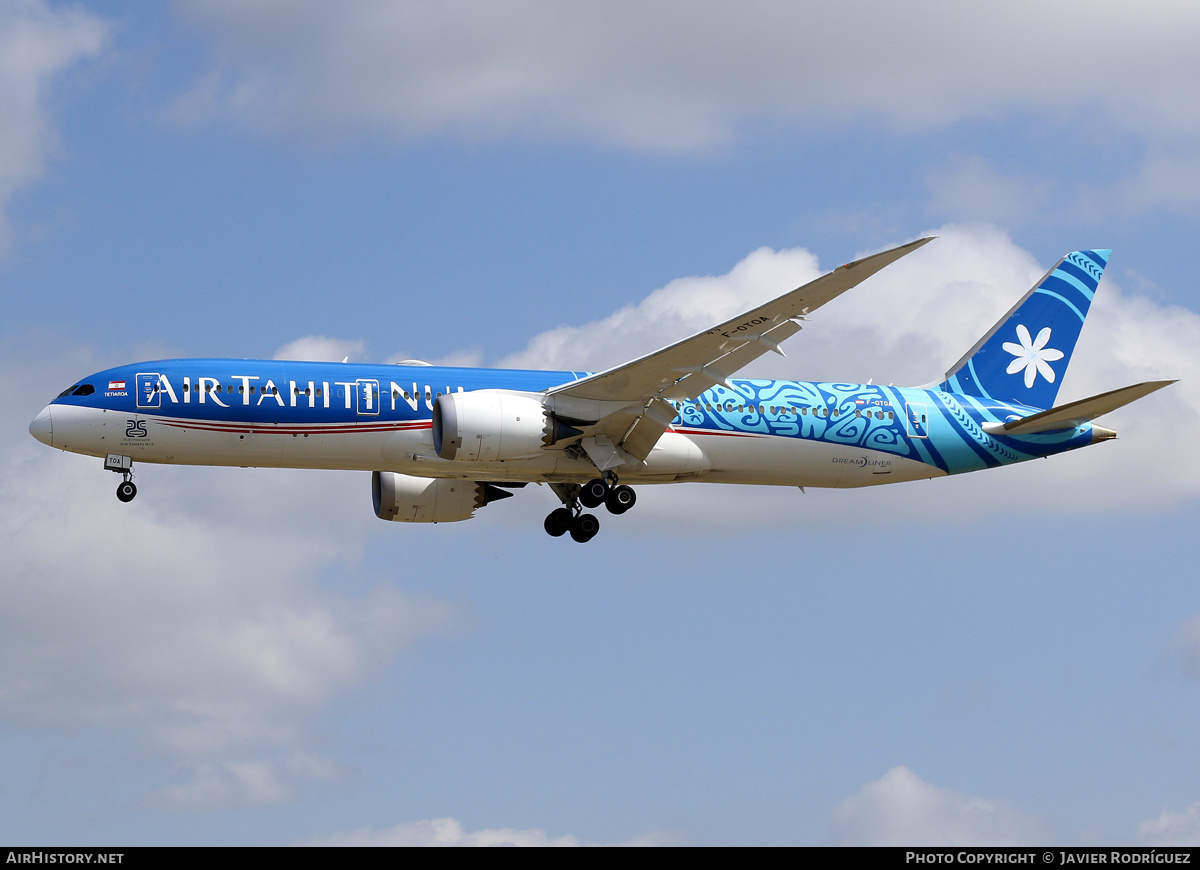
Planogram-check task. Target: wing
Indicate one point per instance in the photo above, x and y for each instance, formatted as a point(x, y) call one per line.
point(627, 408)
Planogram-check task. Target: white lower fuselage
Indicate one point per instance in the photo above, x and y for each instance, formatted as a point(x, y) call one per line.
point(407, 447)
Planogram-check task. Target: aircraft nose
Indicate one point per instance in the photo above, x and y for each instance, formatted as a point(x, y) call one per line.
point(41, 428)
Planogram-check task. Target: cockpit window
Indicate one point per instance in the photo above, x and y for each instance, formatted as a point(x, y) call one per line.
point(77, 390)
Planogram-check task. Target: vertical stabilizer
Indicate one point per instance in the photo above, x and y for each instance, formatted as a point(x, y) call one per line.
point(1024, 356)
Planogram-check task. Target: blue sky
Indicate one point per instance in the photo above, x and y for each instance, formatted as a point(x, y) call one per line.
point(250, 656)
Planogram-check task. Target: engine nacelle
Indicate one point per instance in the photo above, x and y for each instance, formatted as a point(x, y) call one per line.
point(406, 499)
point(490, 426)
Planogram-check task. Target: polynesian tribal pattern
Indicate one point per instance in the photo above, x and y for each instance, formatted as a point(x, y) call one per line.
point(930, 426)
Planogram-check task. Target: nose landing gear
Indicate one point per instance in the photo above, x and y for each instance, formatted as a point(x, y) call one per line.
point(122, 465)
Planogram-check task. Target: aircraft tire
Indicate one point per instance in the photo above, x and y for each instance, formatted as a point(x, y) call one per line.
point(558, 522)
point(584, 528)
point(620, 499)
point(592, 493)
point(126, 491)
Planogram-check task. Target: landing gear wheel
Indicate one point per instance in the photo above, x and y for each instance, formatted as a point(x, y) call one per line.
point(126, 490)
point(558, 522)
point(620, 499)
point(592, 493)
point(584, 528)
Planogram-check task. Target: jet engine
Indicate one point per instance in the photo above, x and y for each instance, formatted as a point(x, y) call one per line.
point(491, 426)
point(406, 499)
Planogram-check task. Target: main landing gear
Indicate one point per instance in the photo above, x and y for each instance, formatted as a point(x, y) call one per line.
point(583, 527)
point(571, 518)
point(122, 465)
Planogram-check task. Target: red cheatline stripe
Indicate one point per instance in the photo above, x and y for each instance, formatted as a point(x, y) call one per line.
point(316, 429)
point(683, 431)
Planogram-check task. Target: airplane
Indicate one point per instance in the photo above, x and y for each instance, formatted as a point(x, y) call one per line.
point(442, 442)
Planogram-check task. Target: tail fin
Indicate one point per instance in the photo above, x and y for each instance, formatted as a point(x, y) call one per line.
point(1024, 356)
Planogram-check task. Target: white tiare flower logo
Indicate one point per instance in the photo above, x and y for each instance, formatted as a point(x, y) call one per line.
point(1031, 355)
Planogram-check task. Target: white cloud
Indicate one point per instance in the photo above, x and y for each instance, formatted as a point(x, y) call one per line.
point(36, 44)
point(683, 307)
point(468, 358)
point(678, 75)
point(450, 832)
point(443, 832)
point(1172, 829)
point(215, 785)
point(901, 809)
point(1187, 646)
point(322, 348)
point(194, 619)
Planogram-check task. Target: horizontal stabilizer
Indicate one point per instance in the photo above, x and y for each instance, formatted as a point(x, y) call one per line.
point(1074, 414)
